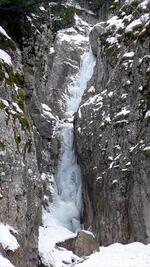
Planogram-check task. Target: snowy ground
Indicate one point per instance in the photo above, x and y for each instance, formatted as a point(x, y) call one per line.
point(8, 242)
point(4, 262)
point(118, 255)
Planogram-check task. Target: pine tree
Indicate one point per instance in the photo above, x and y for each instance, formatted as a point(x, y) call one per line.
point(19, 5)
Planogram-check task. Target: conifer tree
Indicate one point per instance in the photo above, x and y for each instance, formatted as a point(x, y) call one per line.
point(19, 5)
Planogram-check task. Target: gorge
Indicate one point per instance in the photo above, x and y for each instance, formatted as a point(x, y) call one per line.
point(74, 135)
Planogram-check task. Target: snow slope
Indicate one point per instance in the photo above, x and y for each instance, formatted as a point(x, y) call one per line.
point(4, 262)
point(118, 255)
point(7, 240)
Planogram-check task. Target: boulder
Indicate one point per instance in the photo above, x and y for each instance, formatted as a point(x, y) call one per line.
point(82, 245)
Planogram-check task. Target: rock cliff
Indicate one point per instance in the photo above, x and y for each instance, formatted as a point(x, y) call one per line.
point(112, 129)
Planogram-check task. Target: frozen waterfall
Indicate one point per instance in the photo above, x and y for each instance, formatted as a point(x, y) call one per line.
point(76, 91)
point(68, 197)
point(68, 203)
point(61, 219)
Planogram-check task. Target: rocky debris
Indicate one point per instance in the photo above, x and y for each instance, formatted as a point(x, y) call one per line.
point(112, 134)
point(82, 245)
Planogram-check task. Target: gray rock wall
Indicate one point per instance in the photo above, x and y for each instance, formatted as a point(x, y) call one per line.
point(112, 131)
point(20, 190)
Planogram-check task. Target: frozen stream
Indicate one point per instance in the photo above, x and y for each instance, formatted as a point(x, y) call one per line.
point(68, 203)
point(68, 180)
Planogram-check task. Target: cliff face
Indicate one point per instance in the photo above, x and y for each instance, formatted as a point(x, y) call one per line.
point(20, 191)
point(112, 129)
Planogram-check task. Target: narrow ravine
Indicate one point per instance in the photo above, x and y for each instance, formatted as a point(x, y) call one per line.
point(63, 218)
point(68, 179)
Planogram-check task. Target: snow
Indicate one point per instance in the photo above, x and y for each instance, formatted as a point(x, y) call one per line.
point(104, 92)
point(133, 24)
point(4, 33)
point(5, 262)
point(74, 38)
point(89, 233)
point(49, 236)
point(5, 57)
point(128, 55)
point(124, 170)
point(81, 25)
point(79, 129)
point(96, 100)
point(115, 21)
point(146, 148)
point(80, 21)
point(128, 18)
point(112, 39)
point(47, 111)
point(17, 107)
point(79, 113)
point(29, 19)
point(118, 255)
point(128, 81)
point(133, 147)
point(77, 6)
point(146, 57)
point(51, 50)
point(45, 107)
point(7, 240)
point(91, 89)
point(108, 119)
point(121, 121)
point(129, 1)
point(123, 112)
point(42, 8)
point(5, 102)
point(111, 165)
point(114, 181)
point(147, 115)
point(99, 178)
point(138, 22)
point(110, 94)
point(144, 4)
